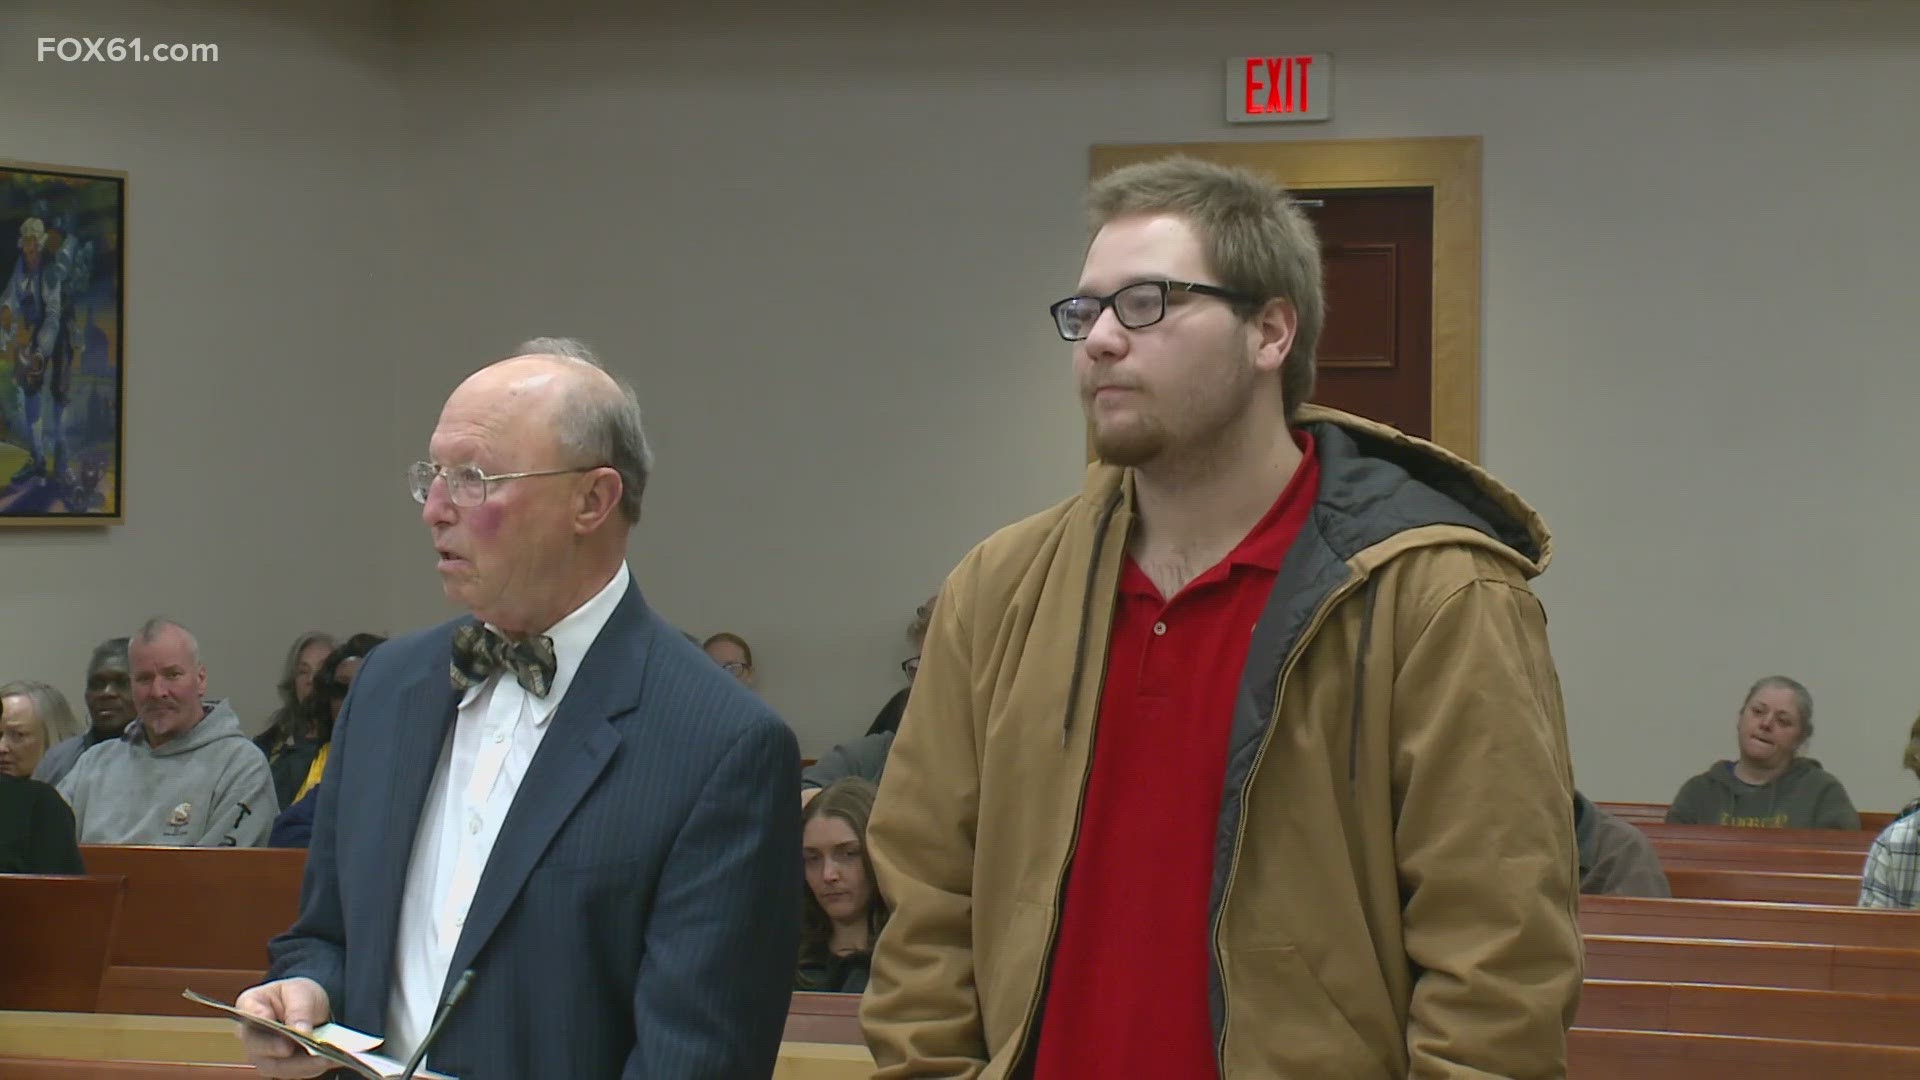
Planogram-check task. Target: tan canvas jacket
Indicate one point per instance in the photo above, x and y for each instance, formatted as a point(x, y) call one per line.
point(1396, 876)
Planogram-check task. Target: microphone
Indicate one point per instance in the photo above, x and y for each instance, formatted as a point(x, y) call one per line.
point(446, 1008)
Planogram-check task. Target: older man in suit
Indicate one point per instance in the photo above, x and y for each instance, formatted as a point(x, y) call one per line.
point(559, 794)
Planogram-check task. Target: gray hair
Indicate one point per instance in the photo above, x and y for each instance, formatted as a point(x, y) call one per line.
point(158, 625)
point(1802, 700)
point(50, 705)
point(593, 426)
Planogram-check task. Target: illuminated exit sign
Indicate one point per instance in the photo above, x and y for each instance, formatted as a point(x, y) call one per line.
point(1274, 89)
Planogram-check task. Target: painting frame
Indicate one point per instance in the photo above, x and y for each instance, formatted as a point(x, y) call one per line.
point(63, 320)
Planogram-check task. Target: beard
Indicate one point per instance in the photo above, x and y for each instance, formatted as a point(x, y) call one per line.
point(1189, 422)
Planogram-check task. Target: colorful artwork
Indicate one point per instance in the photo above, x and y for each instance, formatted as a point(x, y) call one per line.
point(62, 317)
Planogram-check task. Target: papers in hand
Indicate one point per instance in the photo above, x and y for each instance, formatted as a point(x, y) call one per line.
point(351, 1050)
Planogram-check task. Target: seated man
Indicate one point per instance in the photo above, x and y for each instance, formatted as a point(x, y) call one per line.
point(109, 710)
point(183, 774)
point(1616, 859)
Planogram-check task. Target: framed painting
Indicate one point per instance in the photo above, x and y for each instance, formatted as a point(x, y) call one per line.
point(62, 332)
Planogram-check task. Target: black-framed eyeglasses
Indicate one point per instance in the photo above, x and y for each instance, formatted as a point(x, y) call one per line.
point(911, 665)
point(466, 484)
point(1137, 306)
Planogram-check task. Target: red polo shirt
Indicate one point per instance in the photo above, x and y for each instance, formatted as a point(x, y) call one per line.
point(1131, 966)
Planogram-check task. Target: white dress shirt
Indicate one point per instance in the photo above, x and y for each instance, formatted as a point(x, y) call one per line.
point(495, 735)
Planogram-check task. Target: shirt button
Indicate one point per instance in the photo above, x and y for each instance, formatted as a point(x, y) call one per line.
point(1159, 628)
point(473, 824)
point(499, 736)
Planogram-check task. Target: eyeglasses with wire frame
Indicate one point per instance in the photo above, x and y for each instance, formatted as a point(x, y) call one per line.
point(1137, 306)
point(467, 486)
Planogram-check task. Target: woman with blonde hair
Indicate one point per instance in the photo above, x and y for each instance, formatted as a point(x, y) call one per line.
point(842, 910)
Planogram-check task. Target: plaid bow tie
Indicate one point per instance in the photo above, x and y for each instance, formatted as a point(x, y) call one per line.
point(479, 652)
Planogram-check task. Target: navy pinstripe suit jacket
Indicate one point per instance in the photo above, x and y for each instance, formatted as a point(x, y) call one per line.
point(639, 915)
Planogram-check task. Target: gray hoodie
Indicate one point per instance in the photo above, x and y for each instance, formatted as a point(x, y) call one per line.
point(207, 788)
point(1804, 797)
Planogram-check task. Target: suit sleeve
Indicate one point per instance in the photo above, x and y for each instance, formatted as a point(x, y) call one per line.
point(315, 946)
point(921, 1012)
point(1484, 840)
point(724, 932)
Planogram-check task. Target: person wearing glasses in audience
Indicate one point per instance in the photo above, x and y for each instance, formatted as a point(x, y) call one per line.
point(733, 654)
point(548, 830)
point(889, 718)
point(1250, 759)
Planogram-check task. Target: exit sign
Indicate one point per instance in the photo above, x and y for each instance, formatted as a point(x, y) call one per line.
point(1273, 89)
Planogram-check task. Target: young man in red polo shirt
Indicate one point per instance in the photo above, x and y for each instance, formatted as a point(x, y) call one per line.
point(1249, 761)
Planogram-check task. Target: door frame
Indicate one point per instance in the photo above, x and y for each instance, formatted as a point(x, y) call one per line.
point(1449, 166)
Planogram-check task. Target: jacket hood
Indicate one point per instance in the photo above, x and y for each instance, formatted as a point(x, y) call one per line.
point(217, 721)
point(1381, 490)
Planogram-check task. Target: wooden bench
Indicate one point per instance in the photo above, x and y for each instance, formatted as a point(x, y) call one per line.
point(1728, 920)
point(1758, 1011)
point(1793, 965)
point(824, 1018)
point(54, 937)
point(1822, 839)
point(1834, 890)
point(1706, 855)
point(29, 1068)
point(197, 917)
point(1598, 1054)
point(1870, 820)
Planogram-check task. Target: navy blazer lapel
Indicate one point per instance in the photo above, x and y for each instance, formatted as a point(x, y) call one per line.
point(427, 707)
point(571, 757)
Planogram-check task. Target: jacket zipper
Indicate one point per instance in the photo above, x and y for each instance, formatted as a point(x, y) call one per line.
point(1029, 1036)
point(1246, 788)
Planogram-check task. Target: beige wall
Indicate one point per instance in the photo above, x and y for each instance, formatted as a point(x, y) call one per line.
point(256, 206)
point(823, 253)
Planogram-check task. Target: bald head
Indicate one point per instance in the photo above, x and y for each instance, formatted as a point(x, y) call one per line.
point(563, 461)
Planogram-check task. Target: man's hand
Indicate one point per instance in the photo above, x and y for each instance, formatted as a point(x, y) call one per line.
point(300, 1004)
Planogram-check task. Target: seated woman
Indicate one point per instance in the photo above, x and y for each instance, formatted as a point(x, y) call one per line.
point(294, 827)
point(34, 716)
point(37, 834)
point(289, 741)
point(1769, 786)
point(843, 911)
point(732, 652)
point(1892, 875)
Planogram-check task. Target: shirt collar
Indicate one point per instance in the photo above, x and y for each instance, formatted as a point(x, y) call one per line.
point(572, 637)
